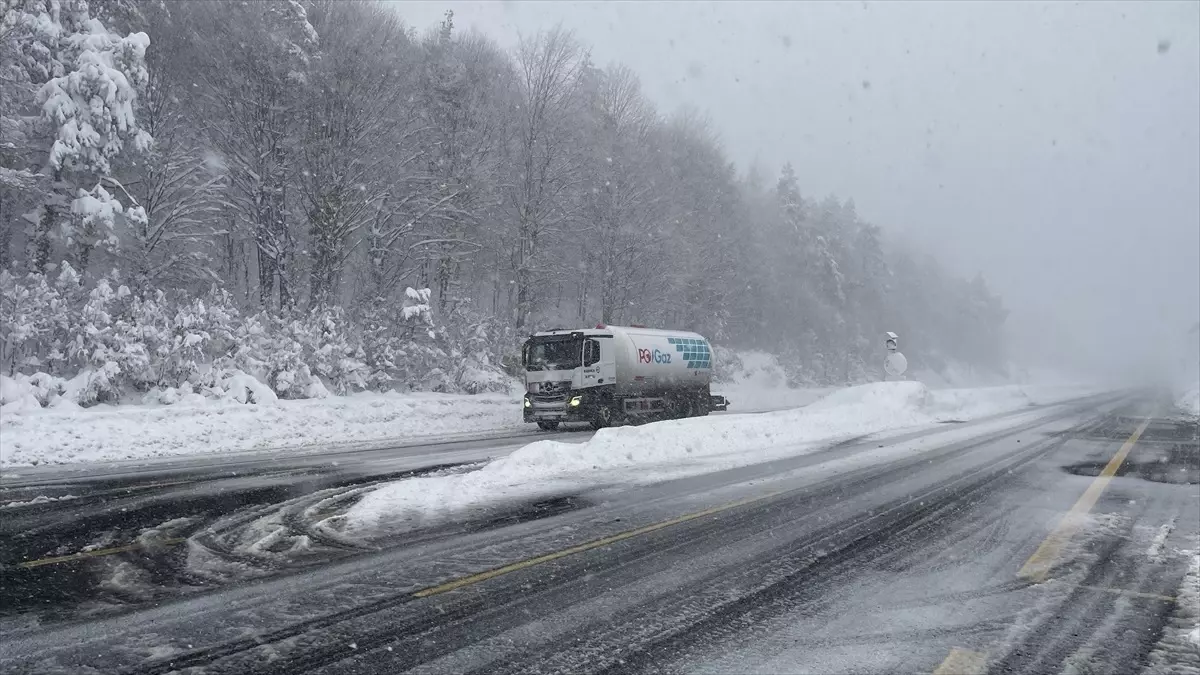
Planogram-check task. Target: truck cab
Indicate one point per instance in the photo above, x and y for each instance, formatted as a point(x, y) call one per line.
point(565, 376)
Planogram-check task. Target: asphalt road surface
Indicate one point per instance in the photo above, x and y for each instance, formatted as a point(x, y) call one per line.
point(1046, 540)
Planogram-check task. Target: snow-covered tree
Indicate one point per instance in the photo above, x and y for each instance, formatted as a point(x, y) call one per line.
point(467, 93)
point(177, 182)
point(33, 311)
point(540, 197)
point(622, 207)
point(358, 119)
point(255, 62)
point(87, 80)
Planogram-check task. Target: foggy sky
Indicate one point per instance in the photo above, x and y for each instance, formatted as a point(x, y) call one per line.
point(1053, 147)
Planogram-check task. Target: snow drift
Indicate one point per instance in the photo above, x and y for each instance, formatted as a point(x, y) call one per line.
point(665, 450)
point(1178, 649)
point(195, 425)
point(1188, 402)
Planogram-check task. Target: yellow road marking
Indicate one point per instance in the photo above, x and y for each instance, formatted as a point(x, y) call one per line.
point(1044, 558)
point(963, 662)
point(549, 557)
point(97, 553)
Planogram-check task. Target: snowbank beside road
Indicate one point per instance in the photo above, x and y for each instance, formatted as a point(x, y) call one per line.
point(1178, 650)
point(67, 435)
point(1189, 402)
point(656, 452)
point(194, 425)
point(171, 424)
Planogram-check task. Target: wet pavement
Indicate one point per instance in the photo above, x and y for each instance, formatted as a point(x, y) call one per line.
point(899, 553)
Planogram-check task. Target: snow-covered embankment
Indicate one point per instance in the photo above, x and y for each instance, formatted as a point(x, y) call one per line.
point(111, 433)
point(1188, 402)
point(1178, 649)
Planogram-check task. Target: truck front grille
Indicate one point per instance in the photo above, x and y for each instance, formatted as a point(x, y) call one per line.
point(550, 388)
point(553, 404)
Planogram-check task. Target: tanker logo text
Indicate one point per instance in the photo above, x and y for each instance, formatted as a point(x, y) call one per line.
point(655, 356)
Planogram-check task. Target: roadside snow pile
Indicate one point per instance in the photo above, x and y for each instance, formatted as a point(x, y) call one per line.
point(1189, 402)
point(17, 397)
point(40, 499)
point(1178, 650)
point(33, 393)
point(196, 425)
point(665, 450)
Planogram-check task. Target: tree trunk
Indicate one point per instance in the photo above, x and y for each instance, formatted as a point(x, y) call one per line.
point(266, 277)
point(41, 235)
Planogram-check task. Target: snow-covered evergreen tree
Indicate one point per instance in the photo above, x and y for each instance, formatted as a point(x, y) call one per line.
point(87, 81)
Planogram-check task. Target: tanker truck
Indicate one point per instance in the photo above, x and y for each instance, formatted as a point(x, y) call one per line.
point(613, 375)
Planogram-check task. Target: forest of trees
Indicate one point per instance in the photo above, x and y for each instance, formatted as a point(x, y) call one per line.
point(315, 193)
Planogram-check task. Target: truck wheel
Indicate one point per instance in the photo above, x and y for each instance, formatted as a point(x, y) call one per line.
point(548, 426)
point(684, 408)
point(603, 418)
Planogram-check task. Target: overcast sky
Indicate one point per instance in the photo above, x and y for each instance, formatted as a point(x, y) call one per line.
point(1053, 147)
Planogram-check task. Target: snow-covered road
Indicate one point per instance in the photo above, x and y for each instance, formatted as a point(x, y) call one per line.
point(880, 553)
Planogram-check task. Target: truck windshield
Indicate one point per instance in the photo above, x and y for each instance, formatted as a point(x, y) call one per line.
point(553, 354)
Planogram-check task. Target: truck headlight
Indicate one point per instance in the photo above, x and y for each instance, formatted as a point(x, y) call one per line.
point(528, 403)
point(576, 401)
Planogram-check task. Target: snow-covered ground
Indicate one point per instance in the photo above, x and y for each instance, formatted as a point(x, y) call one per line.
point(1178, 650)
point(30, 434)
point(108, 433)
point(1188, 402)
point(169, 426)
point(673, 449)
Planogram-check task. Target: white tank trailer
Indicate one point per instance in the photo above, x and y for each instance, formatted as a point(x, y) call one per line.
point(612, 375)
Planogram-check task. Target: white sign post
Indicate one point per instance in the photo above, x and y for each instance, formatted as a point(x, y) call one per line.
point(894, 364)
